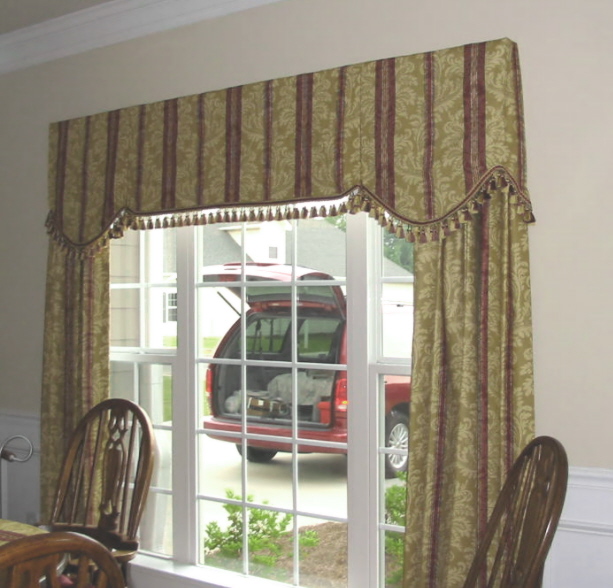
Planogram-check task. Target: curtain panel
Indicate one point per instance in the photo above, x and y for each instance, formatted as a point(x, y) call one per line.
point(427, 144)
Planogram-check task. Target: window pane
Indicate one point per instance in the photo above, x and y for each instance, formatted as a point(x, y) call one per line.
point(394, 406)
point(219, 310)
point(143, 296)
point(125, 318)
point(397, 254)
point(322, 547)
point(396, 296)
point(320, 339)
point(321, 245)
point(156, 525)
point(125, 259)
point(394, 559)
point(219, 466)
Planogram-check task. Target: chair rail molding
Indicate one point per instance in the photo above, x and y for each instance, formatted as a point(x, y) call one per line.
point(106, 24)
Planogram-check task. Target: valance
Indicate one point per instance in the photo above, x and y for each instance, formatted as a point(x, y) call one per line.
point(418, 140)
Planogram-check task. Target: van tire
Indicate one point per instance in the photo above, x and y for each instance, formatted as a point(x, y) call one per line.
point(396, 436)
point(257, 454)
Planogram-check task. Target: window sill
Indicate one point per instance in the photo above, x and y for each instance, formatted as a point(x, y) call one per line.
point(152, 572)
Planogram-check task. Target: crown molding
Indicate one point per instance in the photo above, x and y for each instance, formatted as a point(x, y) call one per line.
point(106, 24)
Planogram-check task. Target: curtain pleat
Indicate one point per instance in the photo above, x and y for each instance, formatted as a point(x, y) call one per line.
point(76, 358)
point(472, 387)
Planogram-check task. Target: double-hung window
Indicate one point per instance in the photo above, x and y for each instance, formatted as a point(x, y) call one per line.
point(274, 361)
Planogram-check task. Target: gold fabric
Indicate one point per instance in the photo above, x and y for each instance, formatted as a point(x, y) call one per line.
point(419, 136)
point(76, 361)
point(472, 405)
point(427, 144)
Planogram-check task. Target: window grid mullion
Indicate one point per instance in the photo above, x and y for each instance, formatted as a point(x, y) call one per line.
point(361, 470)
point(184, 399)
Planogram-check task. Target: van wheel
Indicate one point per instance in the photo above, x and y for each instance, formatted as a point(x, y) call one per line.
point(257, 454)
point(396, 437)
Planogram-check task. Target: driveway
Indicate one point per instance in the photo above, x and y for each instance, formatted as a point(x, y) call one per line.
point(319, 475)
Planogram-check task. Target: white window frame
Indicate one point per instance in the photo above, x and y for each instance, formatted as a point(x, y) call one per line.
point(365, 485)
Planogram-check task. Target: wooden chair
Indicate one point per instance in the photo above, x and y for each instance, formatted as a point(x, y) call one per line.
point(105, 477)
point(37, 561)
point(524, 520)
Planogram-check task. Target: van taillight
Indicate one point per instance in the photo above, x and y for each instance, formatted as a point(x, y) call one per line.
point(209, 381)
point(340, 391)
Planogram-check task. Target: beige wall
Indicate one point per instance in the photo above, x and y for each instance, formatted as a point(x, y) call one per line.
point(567, 57)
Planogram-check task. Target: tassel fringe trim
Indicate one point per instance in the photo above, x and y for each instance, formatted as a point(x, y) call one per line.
point(359, 199)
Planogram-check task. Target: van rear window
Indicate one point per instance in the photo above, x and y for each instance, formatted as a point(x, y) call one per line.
point(269, 337)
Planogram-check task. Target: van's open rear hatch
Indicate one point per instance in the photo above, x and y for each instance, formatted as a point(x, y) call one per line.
point(272, 293)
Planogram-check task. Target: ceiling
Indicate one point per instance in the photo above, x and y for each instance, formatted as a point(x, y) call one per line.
point(18, 14)
point(37, 31)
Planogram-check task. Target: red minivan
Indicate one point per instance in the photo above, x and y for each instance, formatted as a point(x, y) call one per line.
point(316, 395)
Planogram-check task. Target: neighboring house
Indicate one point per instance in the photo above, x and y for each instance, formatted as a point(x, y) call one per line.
point(273, 242)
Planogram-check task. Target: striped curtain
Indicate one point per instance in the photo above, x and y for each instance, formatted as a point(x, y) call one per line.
point(423, 143)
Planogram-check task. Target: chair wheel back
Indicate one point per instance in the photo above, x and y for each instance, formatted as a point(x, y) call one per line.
point(106, 474)
point(524, 520)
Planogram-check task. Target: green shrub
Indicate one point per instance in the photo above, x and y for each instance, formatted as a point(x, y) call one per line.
point(266, 529)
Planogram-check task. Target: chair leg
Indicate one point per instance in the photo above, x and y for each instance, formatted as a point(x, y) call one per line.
point(124, 571)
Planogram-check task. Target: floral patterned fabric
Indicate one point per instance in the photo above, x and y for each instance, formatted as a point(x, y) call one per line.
point(431, 145)
point(418, 136)
point(472, 404)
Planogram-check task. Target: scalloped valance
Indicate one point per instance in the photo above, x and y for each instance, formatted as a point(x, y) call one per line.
point(418, 140)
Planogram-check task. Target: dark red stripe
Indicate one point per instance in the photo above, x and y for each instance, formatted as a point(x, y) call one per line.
point(304, 135)
point(84, 180)
point(340, 129)
point(521, 155)
point(439, 464)
point(233, 143)
point(474, 114)
point(169, 157)
point(508, 365)
point(468, 115)
point(113, 119)
point(385, 123)
point(200, 153)
point(391, 132)
point(88, 343)
point(60, 177)
point(483, 401)
point(429, 134)
point(268, 138)
point(481, 100)
point(140, 155)
point(71, 313)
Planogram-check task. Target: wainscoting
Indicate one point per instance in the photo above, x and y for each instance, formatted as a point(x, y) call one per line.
point(581, 556)
point(582, 551)
point(19, 481)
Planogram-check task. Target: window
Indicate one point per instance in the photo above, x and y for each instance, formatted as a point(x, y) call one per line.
point(170, 307)
point(279, 393)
